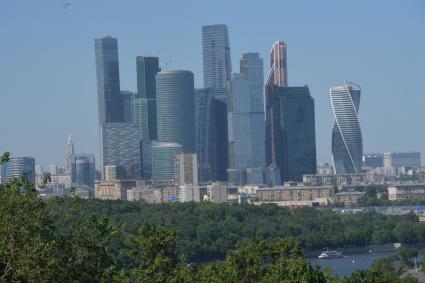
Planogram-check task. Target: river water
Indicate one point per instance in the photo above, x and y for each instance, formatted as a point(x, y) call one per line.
point(349, 263)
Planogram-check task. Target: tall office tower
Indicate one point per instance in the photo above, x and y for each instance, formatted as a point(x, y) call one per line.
point(246, 121)
point(127, 100)
point(109, 99)
point(164, 160)
point(85, 169)
point(53, 169)
point(144, 106)
point(347, 145)
point(176, 108)
point(69, 167)
point(277, 77)
point(120, 146)
point(293, 132)
point(187, 168)
point(18, 167)
point(217, 74)
point(206, 135)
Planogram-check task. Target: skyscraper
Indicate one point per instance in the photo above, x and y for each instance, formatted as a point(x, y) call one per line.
point(164, 160)
point(85, 169)
point(145, 102)
point(347, 145)
point(18, 167)
point(176, 108)
point(246, 120)
point(278, 76)
point(216, 57)
point(127, 100)
point(217, 73)
point(206, 134)
point(110, 104)
point(69, 167)
point(291, 134)
point(120, 146)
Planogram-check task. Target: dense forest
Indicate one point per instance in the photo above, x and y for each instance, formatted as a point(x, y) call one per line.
point(207, 231)
point(72, 240)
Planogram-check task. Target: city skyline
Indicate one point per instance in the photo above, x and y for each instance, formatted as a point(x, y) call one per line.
point(375, 80)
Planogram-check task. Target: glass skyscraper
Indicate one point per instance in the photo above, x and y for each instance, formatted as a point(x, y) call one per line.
point(294, 135)
point(164, 160)
point(144, 105)
point(120, 146)
point(217, 72)
point(176, 108)
point(246, 120)
point(18, 167)
point(206, 134)
point(108, 80)
point(347, 145)
point(85, 169)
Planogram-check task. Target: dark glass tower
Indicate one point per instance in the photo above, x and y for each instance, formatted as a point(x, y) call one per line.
point(294, 138)
point(176, 108)
point(217, 73)
point(108, 80)
point(145, 100)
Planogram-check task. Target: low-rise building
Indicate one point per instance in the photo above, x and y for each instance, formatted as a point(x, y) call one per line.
point(217, 192)
point(113, 189)
point(406, 192)
point(187, 193)
point(349, 198)
point(295, 192)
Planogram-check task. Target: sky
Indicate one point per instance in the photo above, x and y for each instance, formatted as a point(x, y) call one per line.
point(48, 74)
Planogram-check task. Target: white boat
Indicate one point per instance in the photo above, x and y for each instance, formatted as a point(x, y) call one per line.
point(330, 254)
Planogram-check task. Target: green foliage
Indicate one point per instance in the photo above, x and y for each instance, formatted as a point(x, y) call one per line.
point(375, 276)
point(4, 157)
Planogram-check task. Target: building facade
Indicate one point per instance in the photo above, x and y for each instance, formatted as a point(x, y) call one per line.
point(18, 167)
point(108, 80)
point(187, 193)
point(373, 160)
point(176, 108)
point(187, 168)
point(206, 133)
point(164, 160)
point(113, 190)
point(292, 136)
point(144, 105)
point(347, 144)
point(402, 159)
point(246, 120)
point(85, 169)
point(406, 192)
point(120, 146)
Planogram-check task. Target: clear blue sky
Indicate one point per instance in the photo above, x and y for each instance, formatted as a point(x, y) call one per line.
point(48, 76)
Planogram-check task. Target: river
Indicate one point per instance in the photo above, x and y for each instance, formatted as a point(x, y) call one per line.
point(344, 266)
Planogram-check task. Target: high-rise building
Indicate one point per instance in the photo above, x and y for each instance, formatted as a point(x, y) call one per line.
point(347, 145)
point(85, 169)
point(127, 100)
point(69, 167)
point(144, 106)
point(216, 57)
point(109, 99)
point(187, 168)
point(277, 77)
point(402, 159)
point(164, 160)
point(187, 193)
point(120, 146)
point(293, 137)
point(217, 73)
point(18, 167)
point(206, 133)
point(176, 108)
point(246, 120)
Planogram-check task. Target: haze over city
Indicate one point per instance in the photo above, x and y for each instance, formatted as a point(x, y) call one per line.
point(48, 72)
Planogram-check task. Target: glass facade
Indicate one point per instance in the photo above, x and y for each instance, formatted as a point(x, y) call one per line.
point(120, 146)
point(85, 169)
point(206, 134)
point(347, 145)
point(18, 167)
point(108, 80)
point(164, 160)
point(294, 135)
point(176, 108)
point(147, 68)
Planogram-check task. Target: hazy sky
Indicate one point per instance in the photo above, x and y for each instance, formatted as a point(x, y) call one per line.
point(48, 75)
